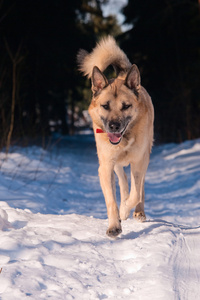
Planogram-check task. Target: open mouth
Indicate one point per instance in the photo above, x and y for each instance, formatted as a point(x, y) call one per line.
point(116, 137)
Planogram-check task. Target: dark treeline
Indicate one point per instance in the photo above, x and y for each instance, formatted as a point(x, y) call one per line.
point(165, 43)
point(39, 80)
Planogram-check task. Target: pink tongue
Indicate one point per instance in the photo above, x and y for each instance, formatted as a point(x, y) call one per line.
point(114, 137)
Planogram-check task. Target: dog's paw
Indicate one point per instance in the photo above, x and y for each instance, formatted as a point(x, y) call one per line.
point(140, 216)
point(113, 231)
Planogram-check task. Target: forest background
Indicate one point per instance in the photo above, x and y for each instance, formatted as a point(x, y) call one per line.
point(43, 94)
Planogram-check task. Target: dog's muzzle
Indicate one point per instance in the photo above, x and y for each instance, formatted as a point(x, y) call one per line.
point(116, 137)
point(114, 130)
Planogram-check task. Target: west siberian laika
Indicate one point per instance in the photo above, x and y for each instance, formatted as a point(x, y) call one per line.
point(122, 115)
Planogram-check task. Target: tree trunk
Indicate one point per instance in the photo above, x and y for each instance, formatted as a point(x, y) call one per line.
point(12, 119)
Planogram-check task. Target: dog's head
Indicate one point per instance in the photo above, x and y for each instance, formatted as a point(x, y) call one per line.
point(115, 103)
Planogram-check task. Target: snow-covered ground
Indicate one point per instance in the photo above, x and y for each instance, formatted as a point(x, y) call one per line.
point(53, 222)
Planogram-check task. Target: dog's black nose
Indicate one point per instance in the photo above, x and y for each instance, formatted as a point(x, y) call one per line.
point(114, 126)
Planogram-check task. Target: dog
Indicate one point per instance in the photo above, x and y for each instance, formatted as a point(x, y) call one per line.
point(123, 115)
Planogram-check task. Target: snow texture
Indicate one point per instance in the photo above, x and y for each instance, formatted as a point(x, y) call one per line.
point(53, 222)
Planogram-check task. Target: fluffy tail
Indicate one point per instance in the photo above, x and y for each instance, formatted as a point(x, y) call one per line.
point(106, 53)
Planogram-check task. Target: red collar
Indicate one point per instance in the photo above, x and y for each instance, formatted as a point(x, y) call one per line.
point(98, 130)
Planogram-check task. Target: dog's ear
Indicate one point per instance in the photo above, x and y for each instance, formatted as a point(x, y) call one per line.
point(132, 80)
point(99, 81)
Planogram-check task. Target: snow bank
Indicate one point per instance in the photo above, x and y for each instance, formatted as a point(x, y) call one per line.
point(4, 224)
point(53, 222)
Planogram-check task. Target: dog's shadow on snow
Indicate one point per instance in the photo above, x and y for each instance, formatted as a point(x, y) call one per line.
point(153, 224)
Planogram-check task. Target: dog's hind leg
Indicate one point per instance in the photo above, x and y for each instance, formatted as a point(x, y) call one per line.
point(139, 213)
point(136, 197)
point(107, 180)
point(138, 174)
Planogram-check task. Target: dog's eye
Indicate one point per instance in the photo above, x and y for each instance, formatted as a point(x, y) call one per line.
point(126, 106)
point(106, 106)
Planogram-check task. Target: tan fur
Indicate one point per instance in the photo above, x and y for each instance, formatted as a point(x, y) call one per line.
point(130, 109)
point(103, 55)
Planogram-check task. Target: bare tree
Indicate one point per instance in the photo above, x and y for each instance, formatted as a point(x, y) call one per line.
point(16, 59)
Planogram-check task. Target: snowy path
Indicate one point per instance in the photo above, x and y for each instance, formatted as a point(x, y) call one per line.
point(186, 264)
point(53, 222)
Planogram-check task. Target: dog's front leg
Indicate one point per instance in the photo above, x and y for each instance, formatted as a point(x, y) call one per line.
point(123, 183)
point(107, 180)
